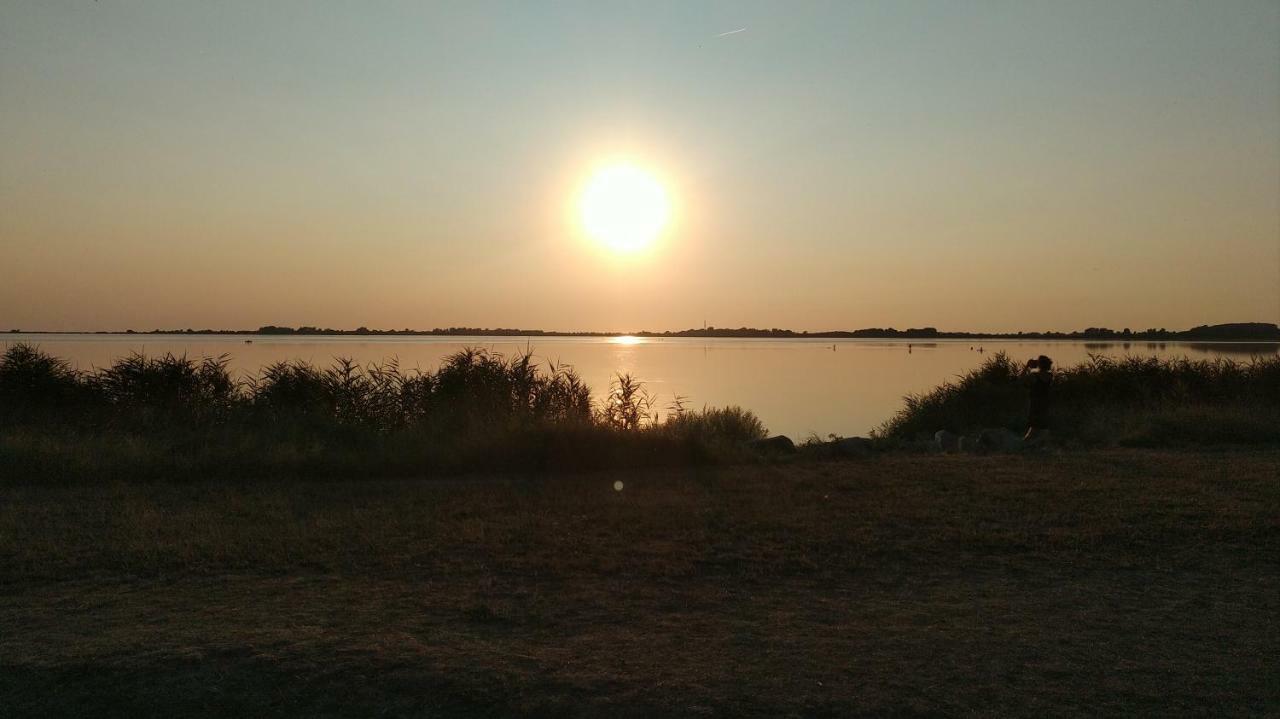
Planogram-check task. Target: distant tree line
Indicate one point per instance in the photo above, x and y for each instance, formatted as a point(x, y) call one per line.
point(1241, 331)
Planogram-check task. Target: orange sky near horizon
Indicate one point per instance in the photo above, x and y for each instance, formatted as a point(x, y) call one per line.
point(988, 168)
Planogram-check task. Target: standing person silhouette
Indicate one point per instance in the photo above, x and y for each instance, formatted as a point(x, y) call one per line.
point(1038, 406)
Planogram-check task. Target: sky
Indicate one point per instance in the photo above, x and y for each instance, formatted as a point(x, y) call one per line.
point(983, 166)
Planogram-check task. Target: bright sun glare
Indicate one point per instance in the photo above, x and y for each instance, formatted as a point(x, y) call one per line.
point(624, 207)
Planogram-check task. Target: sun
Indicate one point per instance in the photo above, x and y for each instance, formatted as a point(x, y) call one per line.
point(624, 207)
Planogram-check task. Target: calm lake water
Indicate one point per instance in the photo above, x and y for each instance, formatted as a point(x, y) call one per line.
point(797, 387)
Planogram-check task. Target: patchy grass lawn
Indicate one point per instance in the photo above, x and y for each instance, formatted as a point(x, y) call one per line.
point(1108, 582)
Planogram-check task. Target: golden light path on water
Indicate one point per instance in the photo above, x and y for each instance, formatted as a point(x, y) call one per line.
point(798, 387)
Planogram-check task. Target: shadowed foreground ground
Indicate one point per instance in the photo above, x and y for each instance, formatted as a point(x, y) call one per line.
point(1093, 583)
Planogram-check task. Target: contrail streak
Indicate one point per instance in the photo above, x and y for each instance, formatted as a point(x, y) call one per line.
point(732, 32)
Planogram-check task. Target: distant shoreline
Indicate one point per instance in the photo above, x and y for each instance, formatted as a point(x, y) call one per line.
point(1239, 332)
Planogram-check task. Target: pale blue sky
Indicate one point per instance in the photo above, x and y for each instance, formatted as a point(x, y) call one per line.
point(986, 166)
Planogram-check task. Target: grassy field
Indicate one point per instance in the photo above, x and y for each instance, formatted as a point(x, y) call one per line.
point(1115, 582)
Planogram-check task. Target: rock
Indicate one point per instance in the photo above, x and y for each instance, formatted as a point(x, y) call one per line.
point(945, 441)
point(780, 444)
point(853, 447)
point(998, 440)
point(922, 442)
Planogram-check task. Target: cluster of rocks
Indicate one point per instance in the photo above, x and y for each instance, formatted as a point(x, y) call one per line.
point(947, 442)
point(844, 447)
point(779, 444)
point(987, 440)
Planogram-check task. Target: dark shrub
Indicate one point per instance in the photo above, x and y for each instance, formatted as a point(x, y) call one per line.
point(292, 388)
point(34, 384)
point(628, 406)
point(1107, 400)
point(28, 376)
point(167, 388)
point(732, 425)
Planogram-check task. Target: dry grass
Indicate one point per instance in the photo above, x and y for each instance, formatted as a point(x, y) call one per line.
point(1118, 583)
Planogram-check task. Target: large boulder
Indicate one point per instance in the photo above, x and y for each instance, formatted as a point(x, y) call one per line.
point(781, 444)
point(853, 447)
point(945, 441)
point(998, 440)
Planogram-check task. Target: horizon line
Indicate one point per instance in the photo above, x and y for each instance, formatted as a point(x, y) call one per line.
point(1269, 329)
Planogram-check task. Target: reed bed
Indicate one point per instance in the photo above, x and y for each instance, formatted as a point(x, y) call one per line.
point(479, 410)
point(1133, 400)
